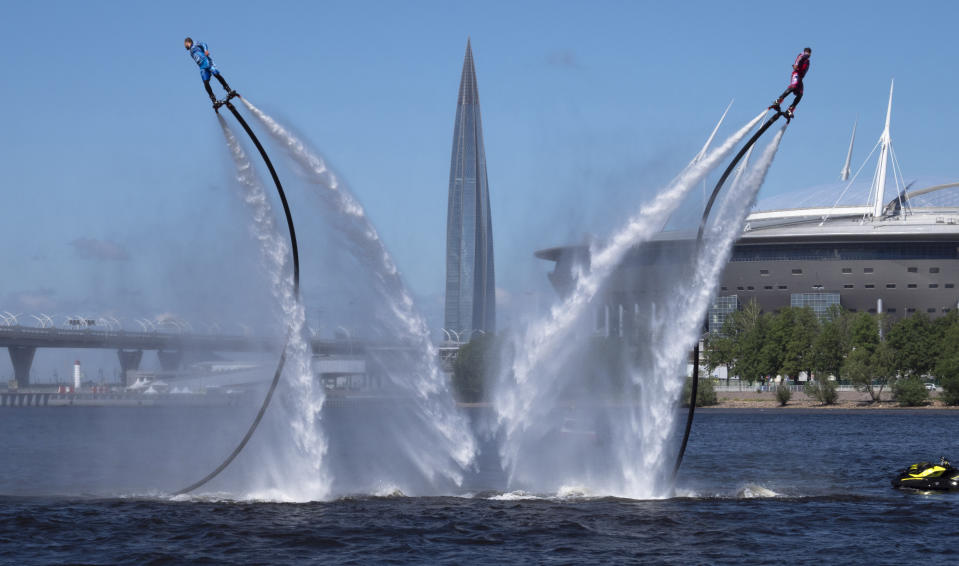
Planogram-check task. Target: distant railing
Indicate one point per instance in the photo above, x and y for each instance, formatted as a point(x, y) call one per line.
point(771, 387)
point(30, 336)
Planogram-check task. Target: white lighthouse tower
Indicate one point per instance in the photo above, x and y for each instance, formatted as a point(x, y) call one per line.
point(76, 375)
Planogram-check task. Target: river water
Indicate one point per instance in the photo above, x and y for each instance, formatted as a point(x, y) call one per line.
point(86, 485)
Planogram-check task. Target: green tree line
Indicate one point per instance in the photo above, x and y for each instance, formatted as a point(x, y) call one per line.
point(866, 350)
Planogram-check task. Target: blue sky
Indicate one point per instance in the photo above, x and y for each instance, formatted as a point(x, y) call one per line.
point(118, 186)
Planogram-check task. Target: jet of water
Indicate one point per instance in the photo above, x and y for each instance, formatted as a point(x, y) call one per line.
point(438, 442)
point(309, 482)
point(528, 389)
point(673, 334)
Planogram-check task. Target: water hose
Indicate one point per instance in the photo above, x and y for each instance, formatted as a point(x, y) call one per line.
point(699, 240)
point(296, 292)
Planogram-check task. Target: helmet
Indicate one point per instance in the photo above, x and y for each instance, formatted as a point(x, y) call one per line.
point(188, 40)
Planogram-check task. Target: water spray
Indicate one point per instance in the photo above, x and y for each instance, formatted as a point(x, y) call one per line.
point(296, 292)
point(435, 421)
point(521, 399)
point(699, 239)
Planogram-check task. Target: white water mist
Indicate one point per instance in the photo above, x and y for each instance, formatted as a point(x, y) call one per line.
point(434, 438)
point(604, 437)
point(673, 330)
point(297, 475)
point(527, 391)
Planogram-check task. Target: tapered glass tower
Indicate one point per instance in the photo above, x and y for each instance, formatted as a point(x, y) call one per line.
point(470, 281)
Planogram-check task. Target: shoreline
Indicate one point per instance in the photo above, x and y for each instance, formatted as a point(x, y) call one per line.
point(831, 409)
point(885, 406)
point(847, 401)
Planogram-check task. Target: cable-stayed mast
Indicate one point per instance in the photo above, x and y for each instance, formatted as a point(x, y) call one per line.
point(844, 175)
point(885, 141)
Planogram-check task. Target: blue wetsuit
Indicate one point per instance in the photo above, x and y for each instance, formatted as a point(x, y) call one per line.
point(199, 52)
point(203, 61)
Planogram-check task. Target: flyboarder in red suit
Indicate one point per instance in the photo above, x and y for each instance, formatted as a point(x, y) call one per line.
point(800, 68)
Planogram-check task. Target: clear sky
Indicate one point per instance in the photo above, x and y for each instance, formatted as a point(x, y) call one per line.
point(117, 185)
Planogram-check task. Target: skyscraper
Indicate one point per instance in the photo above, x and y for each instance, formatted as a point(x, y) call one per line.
point(470, 281)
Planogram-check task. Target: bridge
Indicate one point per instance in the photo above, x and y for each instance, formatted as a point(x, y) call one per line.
point(22, 343)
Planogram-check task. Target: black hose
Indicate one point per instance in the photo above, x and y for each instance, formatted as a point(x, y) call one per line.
point(699, 240)
point(296, 292)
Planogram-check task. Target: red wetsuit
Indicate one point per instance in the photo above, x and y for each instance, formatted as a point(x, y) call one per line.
point(800, 68)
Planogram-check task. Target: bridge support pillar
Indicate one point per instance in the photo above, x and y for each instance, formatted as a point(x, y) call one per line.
point(170, 359)
point(129, 360)
point(22, 358)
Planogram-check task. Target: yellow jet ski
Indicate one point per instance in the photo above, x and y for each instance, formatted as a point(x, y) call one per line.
point(925, 476)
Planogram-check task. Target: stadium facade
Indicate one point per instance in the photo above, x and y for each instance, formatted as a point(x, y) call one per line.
point(897, 254)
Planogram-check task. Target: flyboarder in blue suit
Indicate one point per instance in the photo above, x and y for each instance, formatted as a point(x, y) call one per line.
point(201, 54)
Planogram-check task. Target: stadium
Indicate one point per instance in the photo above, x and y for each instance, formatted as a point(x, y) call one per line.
point(879, 246)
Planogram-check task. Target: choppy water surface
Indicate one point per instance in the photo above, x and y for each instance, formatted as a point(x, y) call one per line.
point(758, 487)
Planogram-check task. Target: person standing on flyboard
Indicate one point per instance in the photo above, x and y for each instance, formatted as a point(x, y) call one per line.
point(201, 55)
point(800, 68)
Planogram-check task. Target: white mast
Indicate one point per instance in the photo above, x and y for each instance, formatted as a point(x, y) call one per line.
point(702, 153)
point(844, 175)
point(885, 140)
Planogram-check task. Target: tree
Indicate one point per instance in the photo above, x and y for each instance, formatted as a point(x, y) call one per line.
point(475, 363)
point(829, 348)
point(884, 367)
point(783, 394)
point(864, 331)
point(800, 331)
point(705, 393)
point(868, 369)
point(739, 344)
point(912, 339)
point(752, 362)
point(910, 391)
point(858, 369)
point(945, 335)
point(822, 390)
point(773, 342)
point(718, 351)
point(947, 370)
point(942, 324)
point(788, 340)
